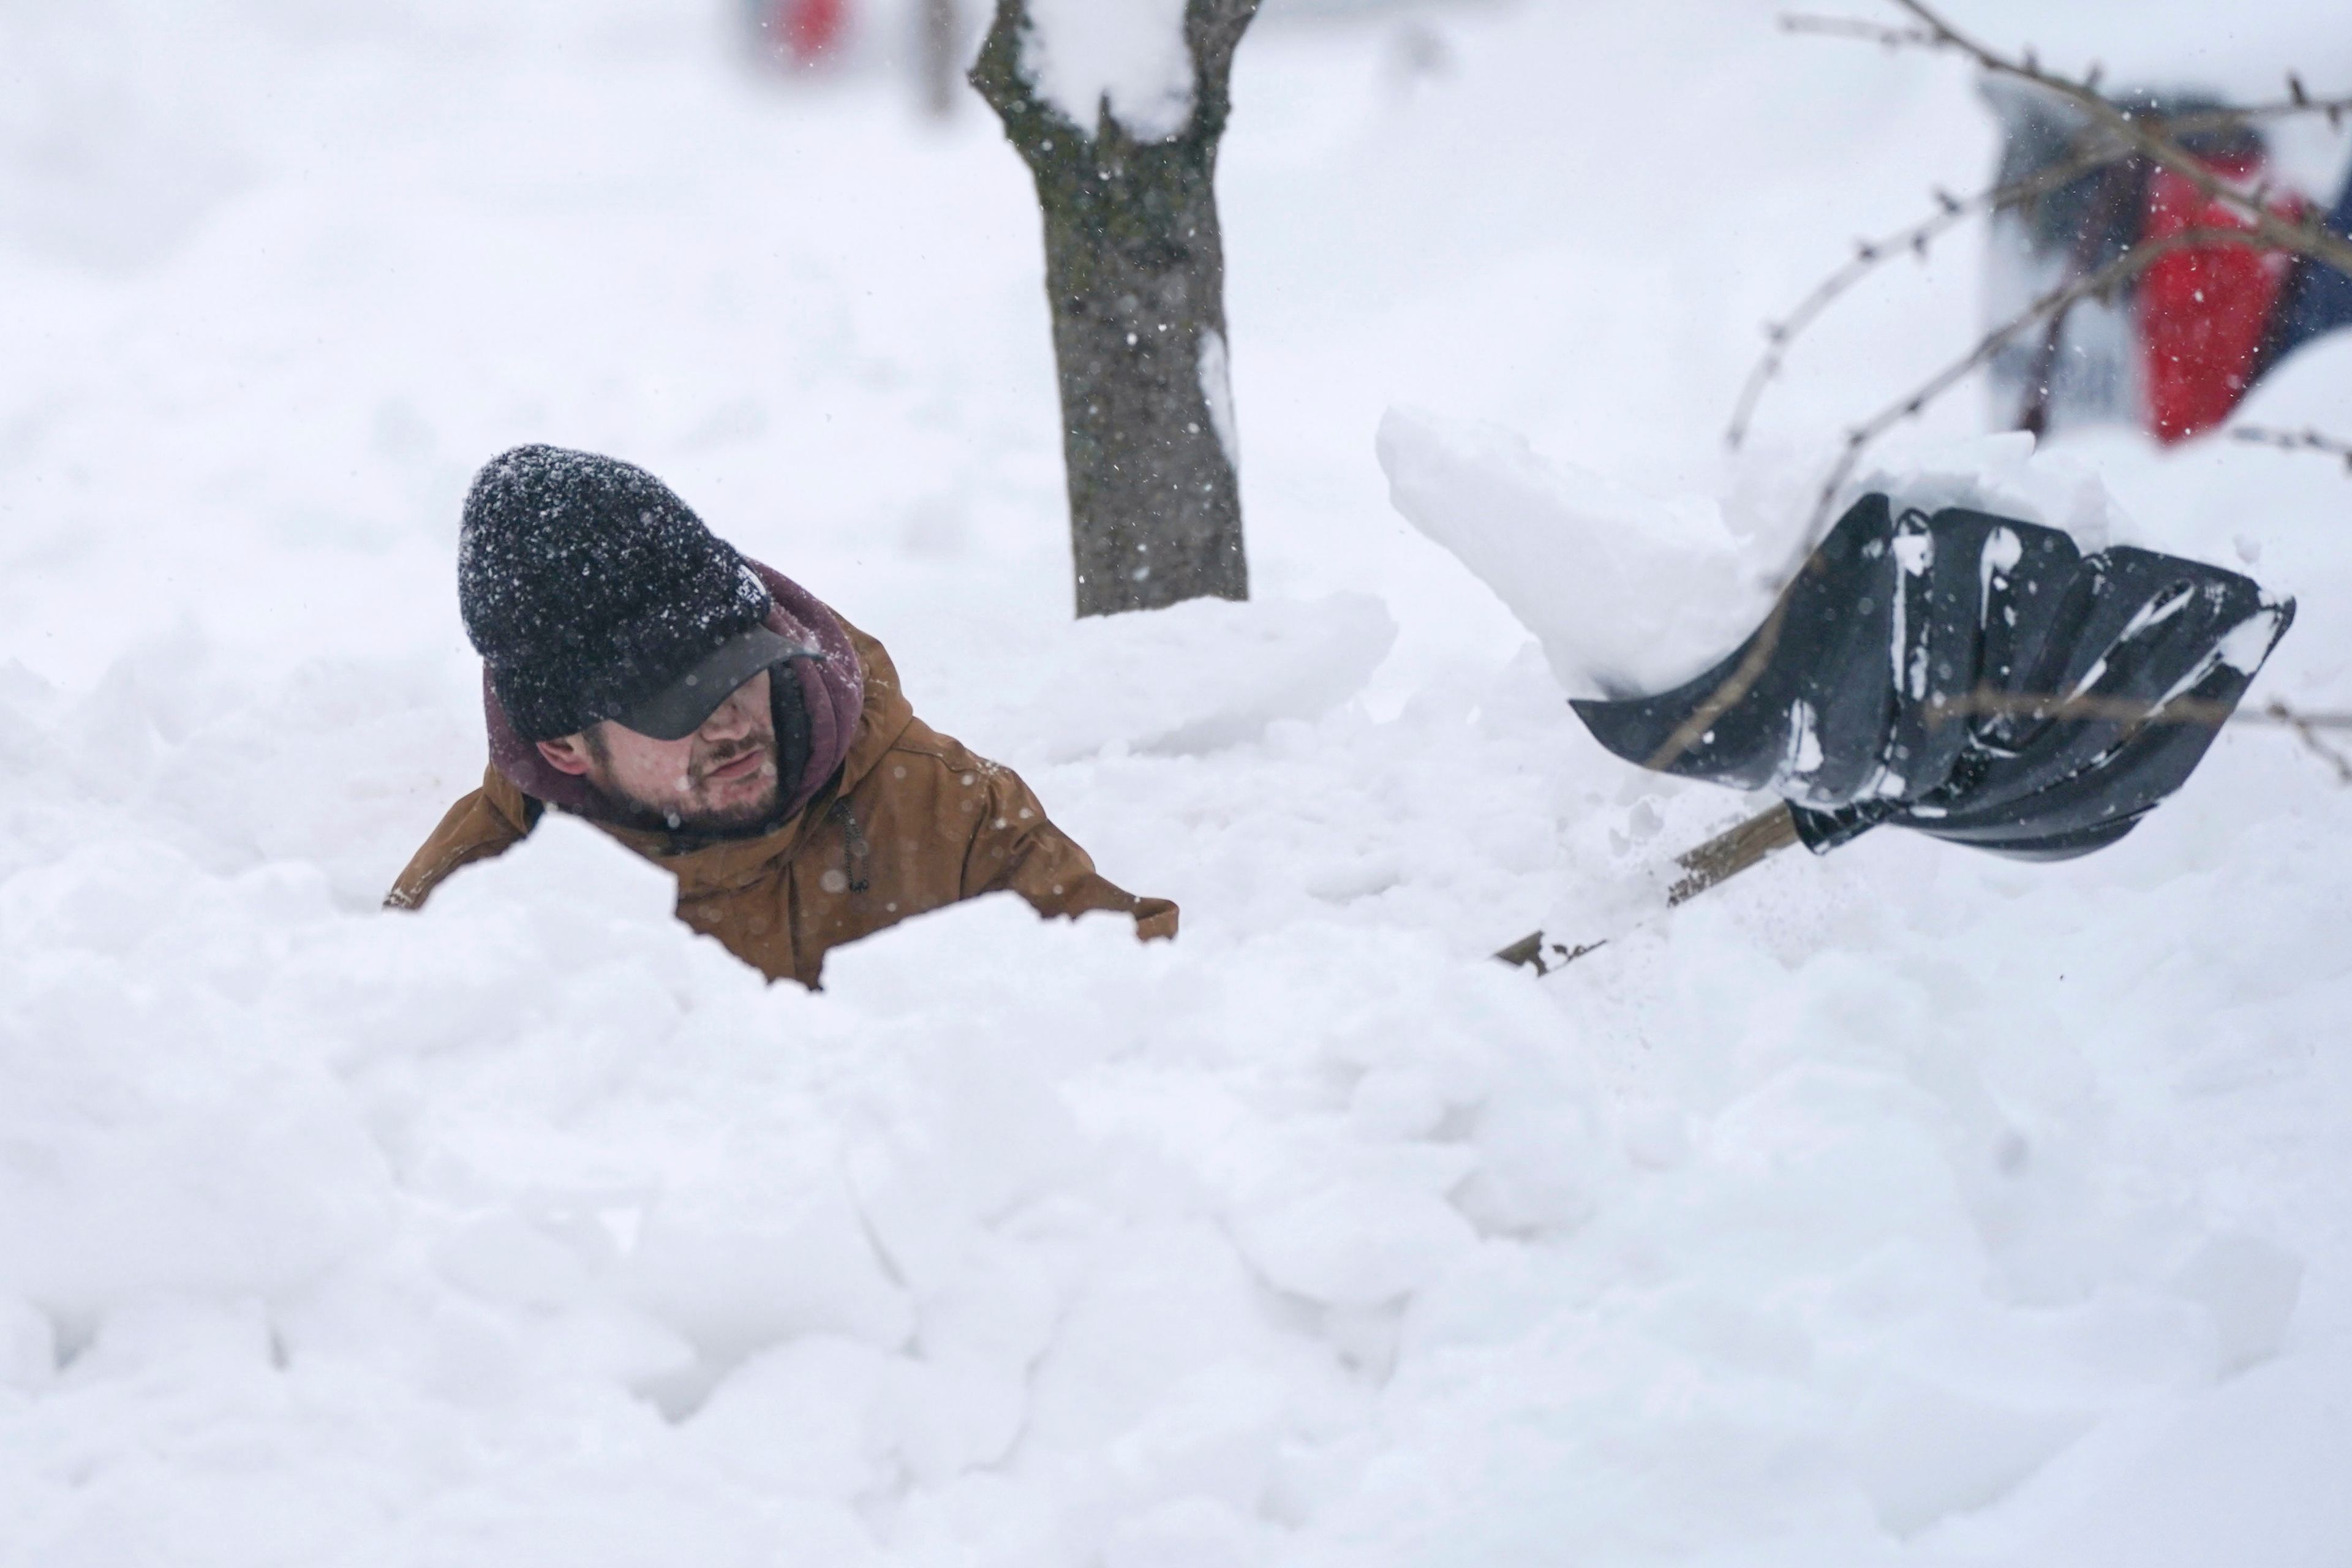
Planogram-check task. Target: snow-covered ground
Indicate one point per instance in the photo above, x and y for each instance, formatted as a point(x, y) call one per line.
point(1903, 1207)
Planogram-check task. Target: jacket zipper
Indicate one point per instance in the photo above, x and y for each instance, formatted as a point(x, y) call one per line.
point(853, 844)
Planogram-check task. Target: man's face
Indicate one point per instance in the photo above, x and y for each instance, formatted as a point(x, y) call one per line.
point(720, 779)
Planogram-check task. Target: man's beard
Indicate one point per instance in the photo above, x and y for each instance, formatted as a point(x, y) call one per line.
point(740, 821)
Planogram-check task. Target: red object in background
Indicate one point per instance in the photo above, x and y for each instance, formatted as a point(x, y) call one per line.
point(806, 30)
point(2202, 309)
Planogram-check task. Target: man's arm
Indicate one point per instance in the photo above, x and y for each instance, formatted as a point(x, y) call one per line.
point(1015, 846)
point(474, 829)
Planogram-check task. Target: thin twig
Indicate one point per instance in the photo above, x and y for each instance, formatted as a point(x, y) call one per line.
point(2295, 441)
point(2113, 133)
point(2179, 711)
point(1855, 28)
point(2121, 271)
point(2148, 135)
point(1691, 730)
point(1991, 703)
point(2297, 101)
point(2307, 726)
point(1870, 254)
point(2110, 135)
point(1758, 658)
point(1768, 637)
point(2199, 121)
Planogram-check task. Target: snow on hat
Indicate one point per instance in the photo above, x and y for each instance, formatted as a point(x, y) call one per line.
point(587, 586)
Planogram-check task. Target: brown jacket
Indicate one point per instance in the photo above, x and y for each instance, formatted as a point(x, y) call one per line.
point(913, 822)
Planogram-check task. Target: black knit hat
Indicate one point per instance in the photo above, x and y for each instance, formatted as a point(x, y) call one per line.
point(587, 586)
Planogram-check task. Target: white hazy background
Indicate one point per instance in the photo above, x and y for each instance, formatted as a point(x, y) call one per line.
point(1906, 1207)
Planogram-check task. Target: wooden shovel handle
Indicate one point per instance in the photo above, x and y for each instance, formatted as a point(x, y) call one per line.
point(1727, 853)
point(1718, 860)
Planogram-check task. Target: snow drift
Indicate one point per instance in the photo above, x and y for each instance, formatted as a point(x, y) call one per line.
point(1899, 1209)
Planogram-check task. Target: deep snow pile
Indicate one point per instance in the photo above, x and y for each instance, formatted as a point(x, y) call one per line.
point(1904, 1206)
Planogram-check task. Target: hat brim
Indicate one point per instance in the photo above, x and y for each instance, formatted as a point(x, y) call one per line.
point(680, 709)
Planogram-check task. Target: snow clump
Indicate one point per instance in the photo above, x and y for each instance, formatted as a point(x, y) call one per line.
point(1631, 596)
point(1124, 56)
point(1627, 594)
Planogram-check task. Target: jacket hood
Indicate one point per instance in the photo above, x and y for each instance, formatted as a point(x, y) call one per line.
point(833, 689)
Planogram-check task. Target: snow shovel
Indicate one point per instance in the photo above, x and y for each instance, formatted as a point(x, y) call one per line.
point(1971, 676)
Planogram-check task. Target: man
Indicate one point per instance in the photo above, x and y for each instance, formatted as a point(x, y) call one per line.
point(714, 717)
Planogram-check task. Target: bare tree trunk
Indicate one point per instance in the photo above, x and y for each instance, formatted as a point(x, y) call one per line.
point(941, 36)
point(1135, 277)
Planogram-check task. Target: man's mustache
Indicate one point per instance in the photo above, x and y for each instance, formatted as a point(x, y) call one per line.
point(705, 766)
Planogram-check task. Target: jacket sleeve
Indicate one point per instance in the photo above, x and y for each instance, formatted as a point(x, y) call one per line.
point(474, 829)
point(1015, 846)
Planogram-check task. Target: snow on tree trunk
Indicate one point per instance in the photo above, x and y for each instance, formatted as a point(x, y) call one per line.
point(1134, 277)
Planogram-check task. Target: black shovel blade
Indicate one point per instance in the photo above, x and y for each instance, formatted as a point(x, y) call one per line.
point(1972, 677)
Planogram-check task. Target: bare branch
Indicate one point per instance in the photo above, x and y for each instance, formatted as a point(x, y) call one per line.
point(1855, 28)
point(1031, 123)
point(2102, 143)
point(2295, 441)
point(2308, 727)
point(1872, 254)
point(1212, 31)
point(1751, 669)
point(2111, 135)
point(2278, 712)
point(1759, 654)
point(2148, 137)
point(1737, 685)
point(1989, 703)
point(1937, 35)
point(2205, 119)
point(2121, 271)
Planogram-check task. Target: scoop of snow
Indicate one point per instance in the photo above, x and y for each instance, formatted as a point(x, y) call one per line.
point(2008, 475)
point(1627, 594)
point(1631, 596)
point(1129, 54)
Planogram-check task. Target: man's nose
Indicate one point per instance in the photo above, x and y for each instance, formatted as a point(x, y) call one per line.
point(730, 720)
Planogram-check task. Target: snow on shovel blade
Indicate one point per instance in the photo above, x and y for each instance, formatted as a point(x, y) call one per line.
point(1971, 677)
